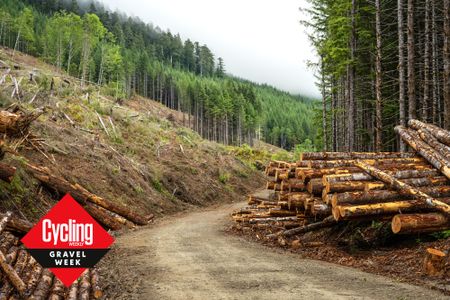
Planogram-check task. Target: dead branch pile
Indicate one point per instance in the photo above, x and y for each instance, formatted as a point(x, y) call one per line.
point(411, 189)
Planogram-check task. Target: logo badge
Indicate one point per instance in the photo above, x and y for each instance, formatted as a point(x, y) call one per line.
point(67, 240)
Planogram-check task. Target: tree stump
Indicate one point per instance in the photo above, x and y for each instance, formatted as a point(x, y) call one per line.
point(434, 262)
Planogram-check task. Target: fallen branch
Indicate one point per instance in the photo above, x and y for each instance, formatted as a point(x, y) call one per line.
point(327, 222)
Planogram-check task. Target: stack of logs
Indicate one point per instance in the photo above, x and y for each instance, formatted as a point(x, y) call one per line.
point(410, 189)
point(21, 276)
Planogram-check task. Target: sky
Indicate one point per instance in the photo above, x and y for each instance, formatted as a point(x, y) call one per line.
point(259, 40)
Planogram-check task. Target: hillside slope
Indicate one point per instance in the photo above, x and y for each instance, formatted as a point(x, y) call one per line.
point(142, 157)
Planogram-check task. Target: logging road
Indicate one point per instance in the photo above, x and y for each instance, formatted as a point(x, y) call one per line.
point(191, 257)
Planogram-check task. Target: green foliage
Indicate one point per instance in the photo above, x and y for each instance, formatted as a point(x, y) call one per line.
point(442, 235)
point(224, 177)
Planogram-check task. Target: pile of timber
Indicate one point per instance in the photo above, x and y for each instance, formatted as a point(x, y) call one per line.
point(409, 189)
point(23, 278)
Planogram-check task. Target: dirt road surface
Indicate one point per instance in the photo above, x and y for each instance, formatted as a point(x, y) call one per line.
point(191, 257)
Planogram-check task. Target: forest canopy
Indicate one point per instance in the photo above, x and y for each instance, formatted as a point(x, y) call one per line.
point(130, 57)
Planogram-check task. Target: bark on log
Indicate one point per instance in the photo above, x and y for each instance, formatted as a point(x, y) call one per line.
point(413, 140)
point(414, 182)
point(85, 286)
point(96, 289)
point(7, 173)
point(102, 217)
point(320, 208)
point(72, 293)
point(14, 280)
point(58, 291)
point(327, 222)
point(414, 223)
point(428, 138)
point(17, 123)
point(4, 220)
point(378, 196)
point(315, 186)
point(361, 176)
point(404, 188)
point(354, 155)
point(281, 213)
point(380, 209)
point(442, 135)
point(7, 241)
point(43, 287)
point(375, 162)
point(83, 196)
point(434, 262)
point(17, 225)
point(306, 174)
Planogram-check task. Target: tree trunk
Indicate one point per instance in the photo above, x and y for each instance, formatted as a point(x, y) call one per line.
point(411, 57)
point(83, 196)
point(404, 188)
point(354, 155)
point(43, 287)
point(379, 196)
point(401, 70)
point(427, 58)
point(428, 138)
point(378, 81)
point(415, 223)
point(380, 209)
point(446, 59)
point(442, 135)
point(96, 290)
point(413, 139)
point(434, 262)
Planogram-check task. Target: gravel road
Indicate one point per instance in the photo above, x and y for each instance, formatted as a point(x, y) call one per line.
point(191, 257)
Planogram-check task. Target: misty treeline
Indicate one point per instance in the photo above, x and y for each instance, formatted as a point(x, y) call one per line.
point(381, 64)
point(130, 57)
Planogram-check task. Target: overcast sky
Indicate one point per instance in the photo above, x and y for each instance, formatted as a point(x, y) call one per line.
point(260, 40)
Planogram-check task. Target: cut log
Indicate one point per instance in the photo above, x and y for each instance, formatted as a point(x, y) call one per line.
point(43, 287)
point(375, 162)
point(404, 188)
point(414, 140)
point(327, 222)
point(4, 220)
point(102, 217)
point(434, 262)
point(378, 196)
point(7, 173)
point(281, 213)
point(381, 209)
point(17, 225)
point(442, 135)
point(85, 286)
point(73, 291)
point(58, 291)
point(414, 182)
point(14, 280)
point(414, 223)
point(403, 174)
point(320, 208)
point(17, 123)
point(83, 196)
point(96, 289)
point(7, 241)
point(354, 155)
point(315, 186)
point(428, 138)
